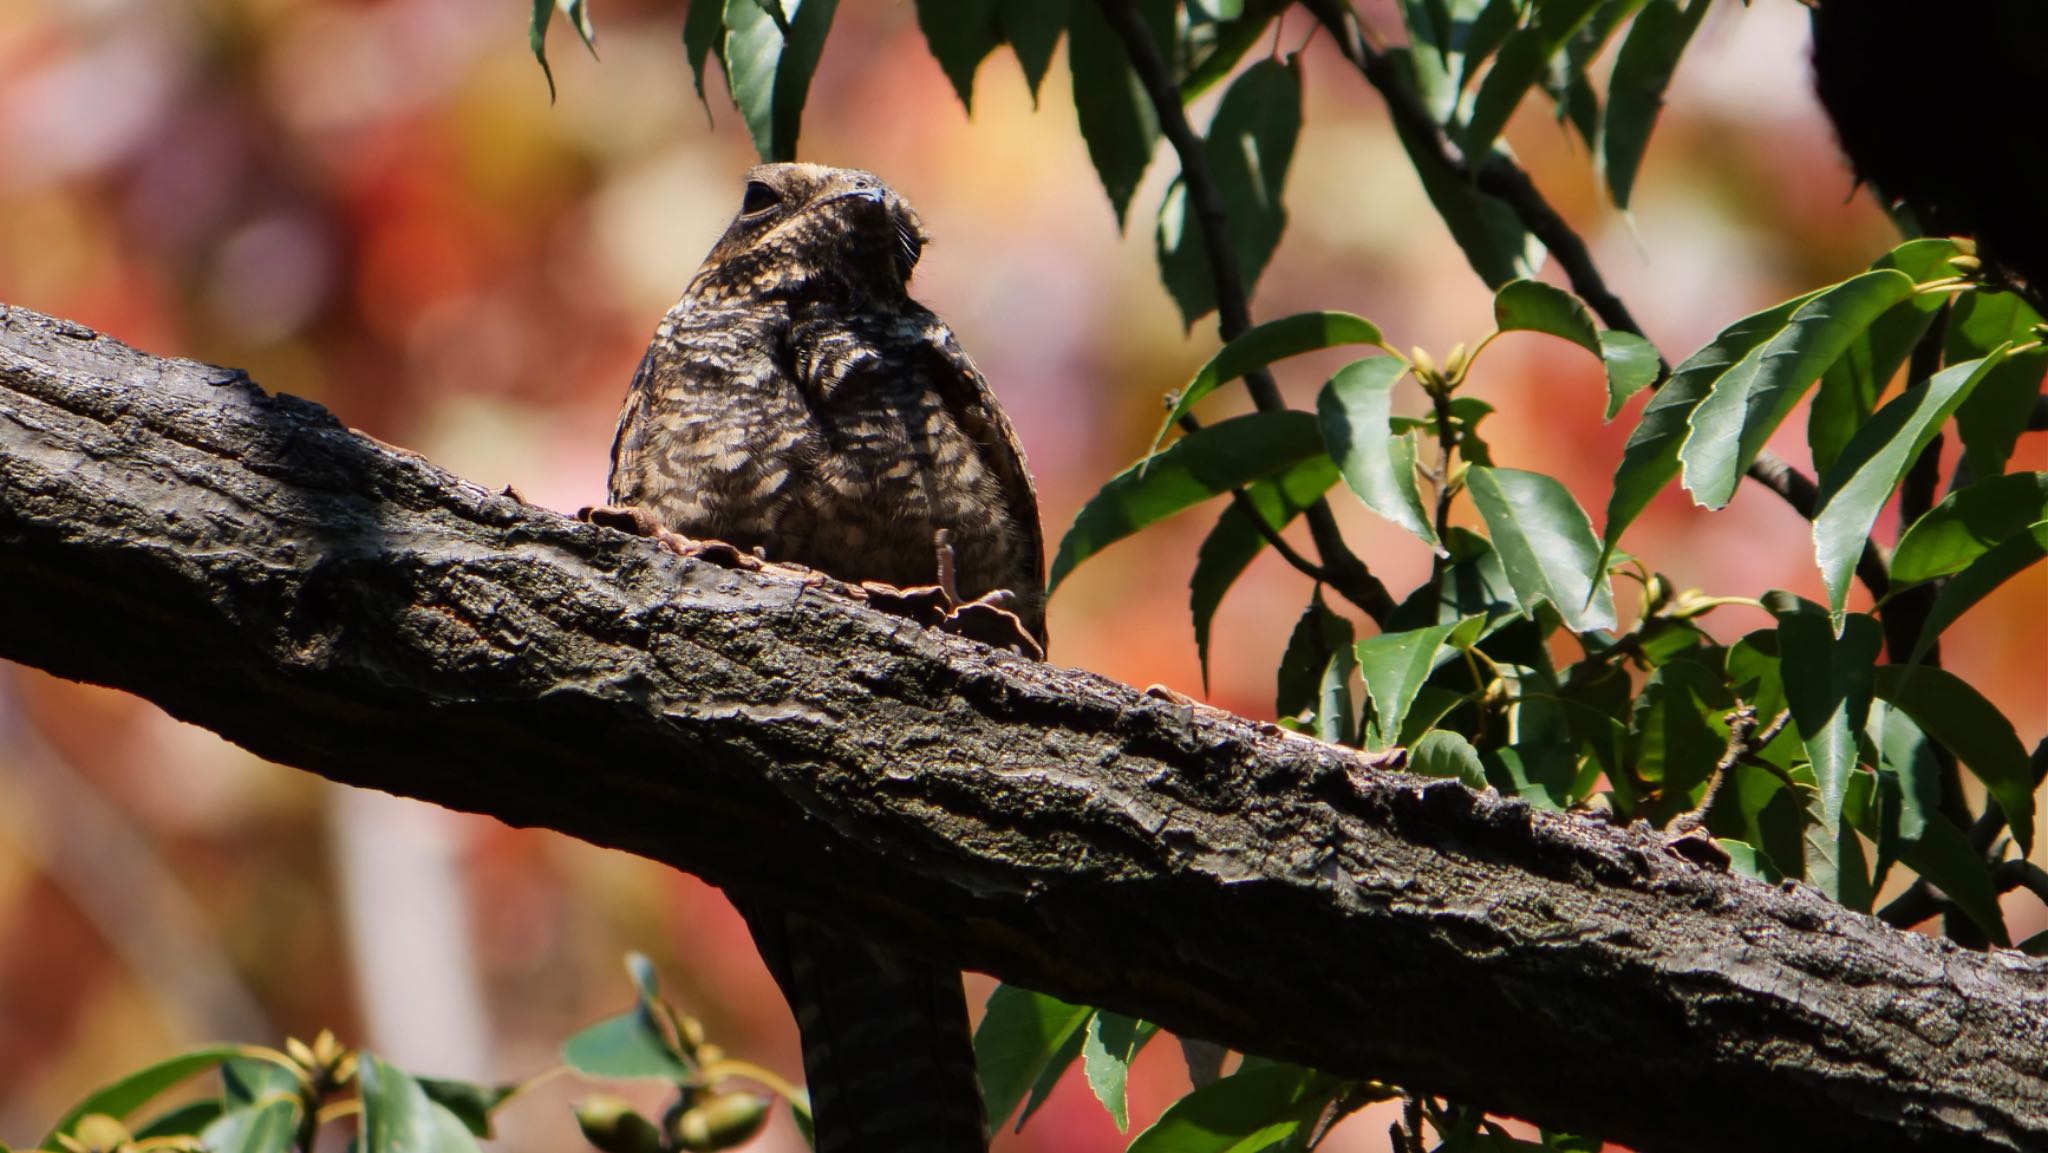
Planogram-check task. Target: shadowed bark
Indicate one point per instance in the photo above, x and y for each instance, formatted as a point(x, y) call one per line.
point(337, 605)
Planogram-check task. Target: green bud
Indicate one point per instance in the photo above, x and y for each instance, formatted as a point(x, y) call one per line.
point(611, 1124)
point(720, 1123)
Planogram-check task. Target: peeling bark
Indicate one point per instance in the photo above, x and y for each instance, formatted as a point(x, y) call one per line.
point(333, 604)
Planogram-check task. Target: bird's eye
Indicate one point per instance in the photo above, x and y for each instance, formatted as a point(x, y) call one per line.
point(759, 198)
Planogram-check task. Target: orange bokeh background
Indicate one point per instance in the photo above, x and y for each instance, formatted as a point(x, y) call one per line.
point(373, 204)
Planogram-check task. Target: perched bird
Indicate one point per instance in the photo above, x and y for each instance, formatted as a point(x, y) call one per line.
point(799, 404)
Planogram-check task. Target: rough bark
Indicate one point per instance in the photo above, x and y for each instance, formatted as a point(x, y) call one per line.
point(333, 604)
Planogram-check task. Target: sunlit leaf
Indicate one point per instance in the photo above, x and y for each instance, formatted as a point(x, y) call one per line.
point(1991, 421)
point(1264, 344)
point(398, 1116)
point(630, 1045)
point(1630, 362)
point(271, 1125)
point(1983, 576)
point(1336, 720)
point(1828, 686)
point(1019, 1033)
point(471, 1103)
point(1242, 1113)
point(1873, 463)
point(1193, 469)
point(1635, 91)
point(1356, 409)
point(1443, 753)
point(1969, 523)
point(1112, 1043)
point(1394, 666)
point(1249, 148)
point(121, 1097)
point(1949, 710)
point(1545, 543)
point(769, 71)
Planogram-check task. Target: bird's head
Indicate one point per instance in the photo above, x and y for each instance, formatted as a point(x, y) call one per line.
point(805, 229)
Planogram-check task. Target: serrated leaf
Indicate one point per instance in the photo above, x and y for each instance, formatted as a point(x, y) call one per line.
point(1635, 91)
point(1232, 545)
point(1317, 635)
point(703, 30)
point(1356, 409)
point(1969, 523)
point(1249, 148)
point(1113, 1042)
point(398, 1116)
point(1828, 687)
point(1957, 716)
point(1873, 463)
point(1520, 63)
point(1650, 459)
point(630, 1045)
point(1118, 122)
point(769, 70)
point(1266, 343)
point(271, 1125)
point(1394, 666)
point(1032, 28)
point(1195, 468)
point(1545, 543)
point(1746, 403)
point(1245, 1112)
point(1019, 1034)
point(121, 1097)
point(1944, 856)
point(1443, 753)
point(960, 35)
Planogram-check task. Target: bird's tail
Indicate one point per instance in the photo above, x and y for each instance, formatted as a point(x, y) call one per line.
point(887, 1053)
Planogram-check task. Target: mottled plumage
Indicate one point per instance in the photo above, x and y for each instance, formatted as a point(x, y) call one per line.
point(797, 401)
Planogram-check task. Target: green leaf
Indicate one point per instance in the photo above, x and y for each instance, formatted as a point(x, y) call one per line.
point(1873, 463)
point(1520, 63)
point(1117, 121)
point(1635, 92)
point(247, 1080)
point(1909, 777)
point(119, 1098)
point(1113, 1042)
point(1212, 57)
point(1990, 422)
point(1944, 856)
point(703, 29)
point(1394, 666)
point(269, 1126)
point(1650, 459)
point(1679, 733)
point(398, 1116)
point(1245, 1112)
point(1545, 543)
point(1249, 148)
point(1485, 32)
point(2010, 558)
point(1231, 546)
point(1487, 229)
point(1632, 365)
point(1192, 469)
point(1262, 345)
point(630, 1045)
point(1828, 683)
point(1356, 409)
point(1533, 306)
point(1336, 722)
point(1032, 28)
point(182, 1120)
point(1956, 715)
point(1443, 753)
point(471, 1103)
point(1850, 387)
point(1019, 1033)
point(1062, 1059)
point(769, 71)
point(960, 34)
point(1318, 635)
point(578, 13)
point(1746, 403)
point(1969, 523)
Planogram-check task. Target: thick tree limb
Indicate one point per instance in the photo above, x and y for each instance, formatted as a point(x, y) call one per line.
point(246, 562)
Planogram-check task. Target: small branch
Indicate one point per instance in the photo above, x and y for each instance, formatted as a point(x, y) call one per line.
point(1306, 567)
point(1342, 569)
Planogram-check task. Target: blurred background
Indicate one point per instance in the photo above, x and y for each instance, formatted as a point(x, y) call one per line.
point(373, 205)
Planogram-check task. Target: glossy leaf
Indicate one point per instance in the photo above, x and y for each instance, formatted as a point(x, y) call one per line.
point(1873, 463)
point(1632, 365)
point(1249, 147)
point(1969, 523)
point(1264, 344)
point(1944, 856)
point(271, 1125)
point(1545, 543)
point(1062, 1059)
point(1678, 733)
point(1032, 28)
point(1746, 403)
point(1193, 469)
point(960, 35)
point(1630, 362)
point(1019, 1033)
point(1908, 773)
point(1356, 409)
point(470, 1103)
point(1245, 1112)
point(246, 1080)
point(630, 1045)
point(1113, 1042)
point(1232, 545)
point(1983, 576)
point(769, 70)
point(1949, 710)
point(1443, 753)
point(1336, 720)
point(1650, 459)
point(1991, 421)
point(398, 1116)
point(1521, 61)
point(1117, 121)
point(1828, 687)
point(119, 1098)
point(1635, 91)
point(1394, 666)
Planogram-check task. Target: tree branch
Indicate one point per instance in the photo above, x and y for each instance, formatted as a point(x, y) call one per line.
point(333, 604)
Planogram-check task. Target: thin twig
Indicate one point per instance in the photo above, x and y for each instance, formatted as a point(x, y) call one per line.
point(1267, 532)
point(1742, 741)
point(1343, 571)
